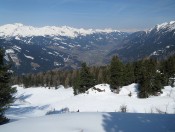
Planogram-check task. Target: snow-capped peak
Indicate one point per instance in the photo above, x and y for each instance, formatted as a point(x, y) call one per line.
point(18, 29)
point(158, 26)
point(19, 24)
point(167, 25)
point(172, 22)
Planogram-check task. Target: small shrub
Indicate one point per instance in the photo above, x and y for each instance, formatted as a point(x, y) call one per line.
point(160, 111)
point(123, 108)
point(3, 120)
point(130, 94)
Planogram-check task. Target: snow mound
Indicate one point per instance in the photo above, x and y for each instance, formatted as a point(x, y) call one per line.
point(168, 91)
point(130, 89)
point(100, 88)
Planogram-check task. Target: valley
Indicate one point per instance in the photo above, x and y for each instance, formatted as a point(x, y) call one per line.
point(48, 48)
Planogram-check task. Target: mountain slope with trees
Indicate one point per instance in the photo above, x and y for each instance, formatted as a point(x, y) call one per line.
point(150, 74)
point(34, 52)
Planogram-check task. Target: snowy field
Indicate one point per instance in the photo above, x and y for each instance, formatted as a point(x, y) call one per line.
point(94, 122)
point(49, 110)
point(34, 102)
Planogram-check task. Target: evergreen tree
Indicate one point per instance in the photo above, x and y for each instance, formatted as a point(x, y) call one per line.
point(150, 79)
point(137, 71)
point(5, 90)
point(76, 84)
point(168, 70)
point(128, 74)
point(84, 81)
point(116, 74)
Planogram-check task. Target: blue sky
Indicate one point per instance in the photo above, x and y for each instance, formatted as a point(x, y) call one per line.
point(115, 14)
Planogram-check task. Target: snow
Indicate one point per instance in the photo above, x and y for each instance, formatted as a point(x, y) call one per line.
point(44, 109)
point(51, 53)
point(161, 25)
point(34, 102)
point(9, 51)
point(170, 26)
point(17, 38)
point(20, 30)
point(103, 87)
point(172, 22)
point(17, 48)
point(130, 89)
point(29, 57)
point(62, 47)
point(94, 122)
point(6, 58)
point(168, 91)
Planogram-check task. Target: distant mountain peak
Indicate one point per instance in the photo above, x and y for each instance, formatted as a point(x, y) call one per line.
point(18, 24)
point(172, 22)
point(168, 25)
point(18, 29)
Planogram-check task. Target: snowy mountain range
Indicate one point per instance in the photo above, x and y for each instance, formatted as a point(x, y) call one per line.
point(34, 49)
point(20, 30)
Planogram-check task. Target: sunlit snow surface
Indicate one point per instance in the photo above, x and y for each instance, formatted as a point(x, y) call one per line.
point(98, 111)
point(34, 102)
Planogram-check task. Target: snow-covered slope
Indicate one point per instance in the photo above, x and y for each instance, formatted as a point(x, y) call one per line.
point(32, 102)
point(57, 110)
point(94, 122)
point(20, 30)
point(169, 26)
point(158, 42)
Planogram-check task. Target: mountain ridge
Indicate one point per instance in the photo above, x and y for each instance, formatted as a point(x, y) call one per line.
point(18, 29)
point(95, 47)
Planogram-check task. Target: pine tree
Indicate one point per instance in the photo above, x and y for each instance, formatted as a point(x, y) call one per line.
point(137, 71)
point(84, 81)
point(116, 74)
point(128, 74)
point(76, 85)
point(5, 90)
point(150, 79)
point(168, 69)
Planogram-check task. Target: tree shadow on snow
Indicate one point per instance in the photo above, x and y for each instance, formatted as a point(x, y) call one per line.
point(129, 122)
point(24, 110)
point(23, 97)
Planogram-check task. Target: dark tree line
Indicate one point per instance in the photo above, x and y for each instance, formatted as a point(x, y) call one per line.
point(66, 78)
point(150, 74)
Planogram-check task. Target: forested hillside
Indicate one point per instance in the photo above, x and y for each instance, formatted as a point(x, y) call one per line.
point(150, 74)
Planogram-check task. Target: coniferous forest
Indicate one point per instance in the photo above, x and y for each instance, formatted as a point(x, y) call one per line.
point(150, 74)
